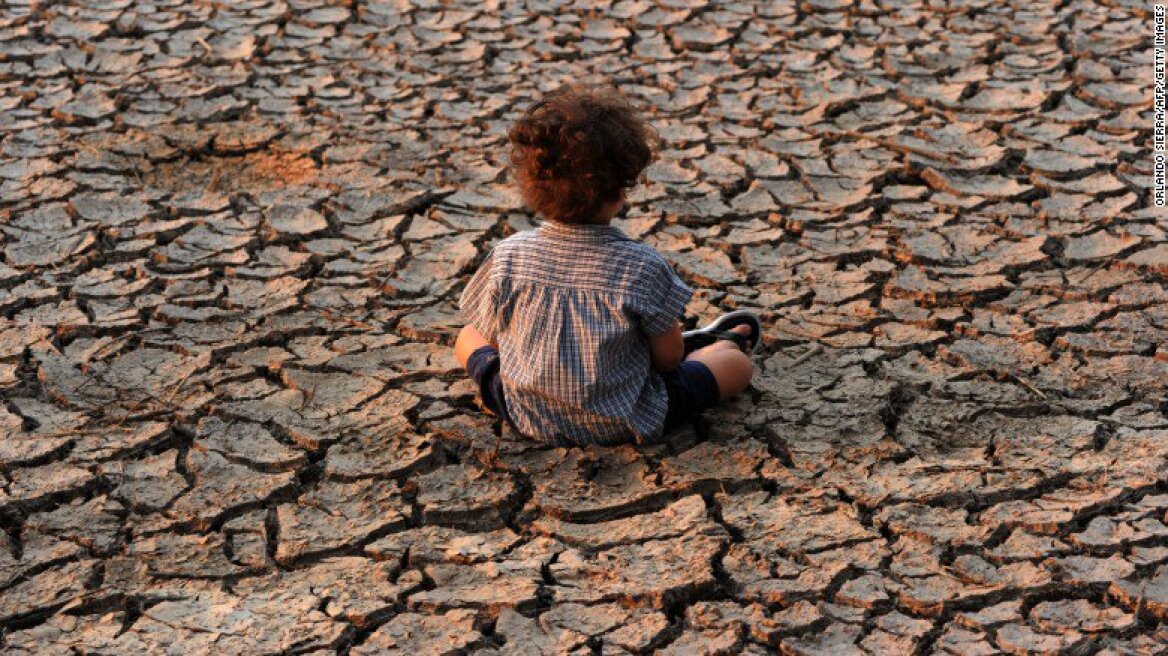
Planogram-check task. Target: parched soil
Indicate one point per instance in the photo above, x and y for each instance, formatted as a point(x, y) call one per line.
point(232, 237)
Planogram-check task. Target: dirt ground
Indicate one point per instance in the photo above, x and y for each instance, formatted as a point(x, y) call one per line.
point(232, 236)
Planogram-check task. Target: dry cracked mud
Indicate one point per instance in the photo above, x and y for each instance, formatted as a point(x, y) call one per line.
point(232, 236)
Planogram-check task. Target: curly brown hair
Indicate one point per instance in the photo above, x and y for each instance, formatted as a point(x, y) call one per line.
point(575, 150)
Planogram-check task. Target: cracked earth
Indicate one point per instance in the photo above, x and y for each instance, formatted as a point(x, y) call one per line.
point(233, 236)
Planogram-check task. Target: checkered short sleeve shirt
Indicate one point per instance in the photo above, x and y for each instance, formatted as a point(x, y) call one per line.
point(571, 308)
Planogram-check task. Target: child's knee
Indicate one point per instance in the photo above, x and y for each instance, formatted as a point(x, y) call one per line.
point(744, 363)
point(467, 342)
point(744, 368)
point(467, 334)
point(733, 371)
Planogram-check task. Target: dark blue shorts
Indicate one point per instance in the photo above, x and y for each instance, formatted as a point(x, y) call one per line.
point(483, 368)
point(691, 387)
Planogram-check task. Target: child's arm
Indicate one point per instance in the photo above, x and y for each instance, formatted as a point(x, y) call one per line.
point(667, 349)
point(479, 304)
point(662, 299)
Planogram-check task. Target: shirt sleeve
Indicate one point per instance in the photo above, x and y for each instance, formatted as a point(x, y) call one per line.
point(479, 303)
point(663, 299)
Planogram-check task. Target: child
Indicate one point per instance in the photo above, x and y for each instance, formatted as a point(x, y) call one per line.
point(572, 328)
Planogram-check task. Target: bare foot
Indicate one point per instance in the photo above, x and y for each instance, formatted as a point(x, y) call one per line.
point(744, 330)
point(725, 344)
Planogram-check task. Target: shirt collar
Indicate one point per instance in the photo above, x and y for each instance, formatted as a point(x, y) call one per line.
point(589, 232)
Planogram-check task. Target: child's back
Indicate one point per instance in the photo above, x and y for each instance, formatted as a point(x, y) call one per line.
point(573, 334)
point(570, 308)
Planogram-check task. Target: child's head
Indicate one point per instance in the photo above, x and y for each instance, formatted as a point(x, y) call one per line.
point(575, 152)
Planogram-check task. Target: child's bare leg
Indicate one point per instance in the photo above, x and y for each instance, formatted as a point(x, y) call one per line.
point(469, 340)
point(730, 366)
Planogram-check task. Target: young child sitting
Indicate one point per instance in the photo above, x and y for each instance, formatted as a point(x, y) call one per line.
point(572, 328)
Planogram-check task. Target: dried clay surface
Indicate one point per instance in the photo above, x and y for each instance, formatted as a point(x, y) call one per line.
point(233, 235)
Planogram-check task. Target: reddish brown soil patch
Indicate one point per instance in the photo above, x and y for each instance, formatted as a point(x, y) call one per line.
point(257, 171)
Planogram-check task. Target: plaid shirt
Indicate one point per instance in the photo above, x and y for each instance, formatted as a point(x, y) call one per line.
point(571, 308)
